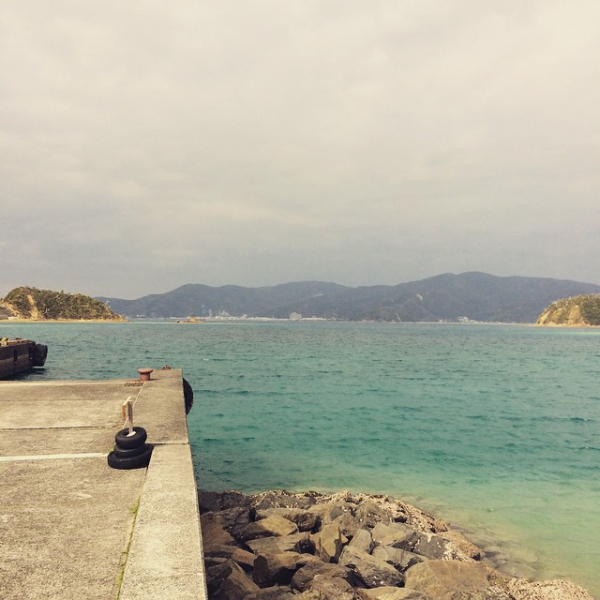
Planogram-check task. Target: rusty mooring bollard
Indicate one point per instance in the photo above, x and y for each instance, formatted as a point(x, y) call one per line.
point(145, 374)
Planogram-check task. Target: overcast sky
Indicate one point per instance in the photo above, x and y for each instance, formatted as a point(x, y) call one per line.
point(149, 144)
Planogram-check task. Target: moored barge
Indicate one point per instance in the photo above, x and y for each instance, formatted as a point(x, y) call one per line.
point(18, 356)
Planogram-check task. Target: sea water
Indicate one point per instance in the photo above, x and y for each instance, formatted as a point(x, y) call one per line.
point(495, 428)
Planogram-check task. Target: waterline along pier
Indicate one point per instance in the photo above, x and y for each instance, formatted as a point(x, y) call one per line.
point(71, 526)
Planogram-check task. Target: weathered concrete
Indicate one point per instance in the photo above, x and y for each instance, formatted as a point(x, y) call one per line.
point(72, 527)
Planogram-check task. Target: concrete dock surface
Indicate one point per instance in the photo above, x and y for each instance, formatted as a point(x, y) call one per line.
point(71, 527)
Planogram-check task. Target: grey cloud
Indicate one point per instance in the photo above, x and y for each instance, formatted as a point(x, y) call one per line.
point(256, 143)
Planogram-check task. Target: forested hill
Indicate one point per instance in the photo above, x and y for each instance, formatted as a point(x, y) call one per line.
point(39, 305)
point(581, 311)
point(473, 296)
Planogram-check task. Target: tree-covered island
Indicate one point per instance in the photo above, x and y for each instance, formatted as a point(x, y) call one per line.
point(578, 311)
point(31, 304)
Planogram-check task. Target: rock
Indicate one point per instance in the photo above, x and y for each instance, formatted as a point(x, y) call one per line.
point(462, 548)
point(282, 499)
point(329, 543)
point(303, 577)
point(236, 519)
point(393, 534)
point(278, 569)
point(430, 546)
point(216, 575)
point(450, 580)
point(521, 589)
point(421, 521)
point(370, 513)
point(275, 545)
point(329, 588)
point(398, 558)
point(213, 531)
point(371, 571)
point(391, 593)
point(391, 545)
point(362, 540)
point(217, 501)
point(213, 561)
point(304, 520)
point(348, 524)
point(272, 593)
point(231, 584)
point(271, 526)
point(224, 552)
point(332, 511)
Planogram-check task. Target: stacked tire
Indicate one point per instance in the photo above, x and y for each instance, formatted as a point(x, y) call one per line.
point(131, 450)
point(188, 396)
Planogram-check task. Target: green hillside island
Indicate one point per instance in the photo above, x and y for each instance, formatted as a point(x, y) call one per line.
point(579, 311)
point(41, 305)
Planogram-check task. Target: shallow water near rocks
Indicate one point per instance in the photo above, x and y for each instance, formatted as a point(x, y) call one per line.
point(493, 427)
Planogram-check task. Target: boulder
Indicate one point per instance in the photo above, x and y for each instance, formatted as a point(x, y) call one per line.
point(217, 501)
point(282, 499)
point(213, 531)
point(391, 593)
point(392, 534)
point(236, 519)
point(451, 580)
point(556, 589)
point(362, 540)
point(348, 524)
point(271, 526)
point(329, 588)
point(216, 575)
point(329, 543)
point(278, 569)
point(227, 552)
point(305, 520)
point(398, 558)
point(275, 545)
point(230, 584)
point(371, 571)
point(429, 545)
point(331, 511)
point(303, 577)
point(369, 513)
point(272, 593)
point(462, 548)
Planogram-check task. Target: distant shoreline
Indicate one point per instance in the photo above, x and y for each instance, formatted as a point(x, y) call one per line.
point(63, 321)
point(214, 320)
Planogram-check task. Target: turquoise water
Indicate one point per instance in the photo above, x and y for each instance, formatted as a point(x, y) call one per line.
point(494, 427)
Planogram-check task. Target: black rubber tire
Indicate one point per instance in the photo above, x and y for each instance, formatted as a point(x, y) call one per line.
point(188, 396)
point(140, 461)
point(40, 353)
point(128, 452)
point(126, 442)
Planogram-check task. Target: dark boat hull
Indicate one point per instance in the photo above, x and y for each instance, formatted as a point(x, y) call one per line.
point(19, 356)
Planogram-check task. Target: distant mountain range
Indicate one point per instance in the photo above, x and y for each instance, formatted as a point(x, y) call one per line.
point(448, 297)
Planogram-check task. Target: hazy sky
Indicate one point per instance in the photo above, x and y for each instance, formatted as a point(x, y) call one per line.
point(148, 144)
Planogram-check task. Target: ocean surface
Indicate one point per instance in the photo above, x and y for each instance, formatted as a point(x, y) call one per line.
point(495, 428)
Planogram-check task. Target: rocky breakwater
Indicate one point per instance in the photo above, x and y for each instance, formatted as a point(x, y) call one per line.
point(287, 546)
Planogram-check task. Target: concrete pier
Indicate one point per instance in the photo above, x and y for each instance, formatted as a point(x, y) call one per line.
point(71, 527)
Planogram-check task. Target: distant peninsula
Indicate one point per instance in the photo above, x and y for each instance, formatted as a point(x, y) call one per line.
point(578, 311)
point(31, 304)
point(447, 298)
